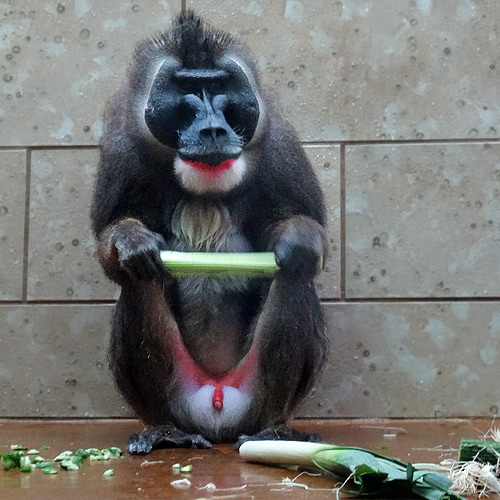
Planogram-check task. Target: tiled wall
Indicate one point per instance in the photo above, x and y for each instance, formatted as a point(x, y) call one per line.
point(398, 105)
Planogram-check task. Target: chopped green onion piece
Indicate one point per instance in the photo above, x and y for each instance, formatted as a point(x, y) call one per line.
point(77, 460)
point(82, 453)
point(115, 452)
point(17, 447)
point(176, 466)
point(63, 456)
point(187, 468)
point(8, 464)
point(69, 465)
point(213, 263)
point(10, 460)
point(108, 473)
point(25, 465)
point(44, 447)
point(32, 452)
point(50, 470)
point(38, 460)
point(44, 465)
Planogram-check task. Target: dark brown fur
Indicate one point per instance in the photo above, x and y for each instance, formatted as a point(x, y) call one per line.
point(278, 207)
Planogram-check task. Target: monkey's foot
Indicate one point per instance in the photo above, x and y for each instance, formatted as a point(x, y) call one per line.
point(164, 436)
point(281, 433)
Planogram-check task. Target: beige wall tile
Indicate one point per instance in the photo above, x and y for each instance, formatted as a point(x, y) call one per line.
point(62, 264)
point(374, 70)
point(53, 362)
point(386, 360)
point(60, 61)
point(422, 220)
point(410, 360)
point(12, 214)
point(326, 164)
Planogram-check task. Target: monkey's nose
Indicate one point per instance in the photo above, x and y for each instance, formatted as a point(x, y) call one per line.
point(213, 133)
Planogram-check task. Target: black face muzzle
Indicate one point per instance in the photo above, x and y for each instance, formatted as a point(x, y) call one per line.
point(207, 114)
point(209, 139)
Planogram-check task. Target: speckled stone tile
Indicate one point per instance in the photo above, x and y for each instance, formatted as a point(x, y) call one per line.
point(60, 61)
point(410, 360)
point(53, 362)
point(12, 213)
point(423, 220)
point(61, 260)
point(381, 69)
point(386, 360)
point(326, 164)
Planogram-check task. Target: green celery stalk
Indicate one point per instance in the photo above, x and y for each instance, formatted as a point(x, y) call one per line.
point(215, 263)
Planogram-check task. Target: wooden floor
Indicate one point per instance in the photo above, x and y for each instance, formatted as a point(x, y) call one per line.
point(217, 473)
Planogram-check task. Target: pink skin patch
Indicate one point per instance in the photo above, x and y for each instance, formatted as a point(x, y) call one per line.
point(211, 170)
point(233, 378)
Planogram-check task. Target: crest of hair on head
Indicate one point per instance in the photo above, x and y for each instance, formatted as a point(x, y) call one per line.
point(193, 41)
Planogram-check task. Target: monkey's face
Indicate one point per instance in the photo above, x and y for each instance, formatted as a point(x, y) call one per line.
point(208, 115)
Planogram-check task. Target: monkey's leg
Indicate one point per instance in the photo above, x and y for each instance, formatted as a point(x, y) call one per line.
point(142, 365)
point(290, 337)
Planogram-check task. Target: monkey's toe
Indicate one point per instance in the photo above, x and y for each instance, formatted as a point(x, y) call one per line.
point(140, 444)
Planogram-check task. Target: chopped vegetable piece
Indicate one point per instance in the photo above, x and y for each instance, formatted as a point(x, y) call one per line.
point(180, 263)
point(63, 456)
point(69, 465)
point(82, 453)
point(44, 465)
point(32, 452)
point(8, 464)
point(187, 468)
point(108, 473)
point(38, 459)
point(176, 466)
point(77, 460)
point(50, 470)
point(17, 447)
point(115, 452)
point(25, 464)
point(477, 450)
point(44, 447)
point(10, 460)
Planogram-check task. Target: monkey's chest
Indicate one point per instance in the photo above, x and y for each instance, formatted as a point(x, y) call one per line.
point(213, 314)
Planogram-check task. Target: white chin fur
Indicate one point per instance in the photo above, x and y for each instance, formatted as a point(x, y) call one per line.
point(199, 182)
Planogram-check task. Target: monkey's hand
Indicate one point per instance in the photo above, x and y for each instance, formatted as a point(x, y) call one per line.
point(301, 247)
point(129, 249)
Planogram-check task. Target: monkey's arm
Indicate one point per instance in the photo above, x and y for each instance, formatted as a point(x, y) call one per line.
point(290, 210)
point(300, 246)
point(125, 213)
point(128, 250)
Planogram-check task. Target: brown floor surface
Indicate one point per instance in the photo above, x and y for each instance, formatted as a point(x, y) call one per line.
point(149, 477)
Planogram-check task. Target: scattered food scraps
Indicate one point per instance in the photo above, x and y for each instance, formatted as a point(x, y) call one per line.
point(68, 460)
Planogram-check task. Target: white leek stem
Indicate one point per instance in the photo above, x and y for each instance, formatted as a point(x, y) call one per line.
point(280, 452)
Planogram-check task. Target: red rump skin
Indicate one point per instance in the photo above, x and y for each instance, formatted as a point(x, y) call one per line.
point(211, 169)
point(233, 378)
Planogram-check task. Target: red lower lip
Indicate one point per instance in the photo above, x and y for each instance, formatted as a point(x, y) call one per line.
point(211, 169)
